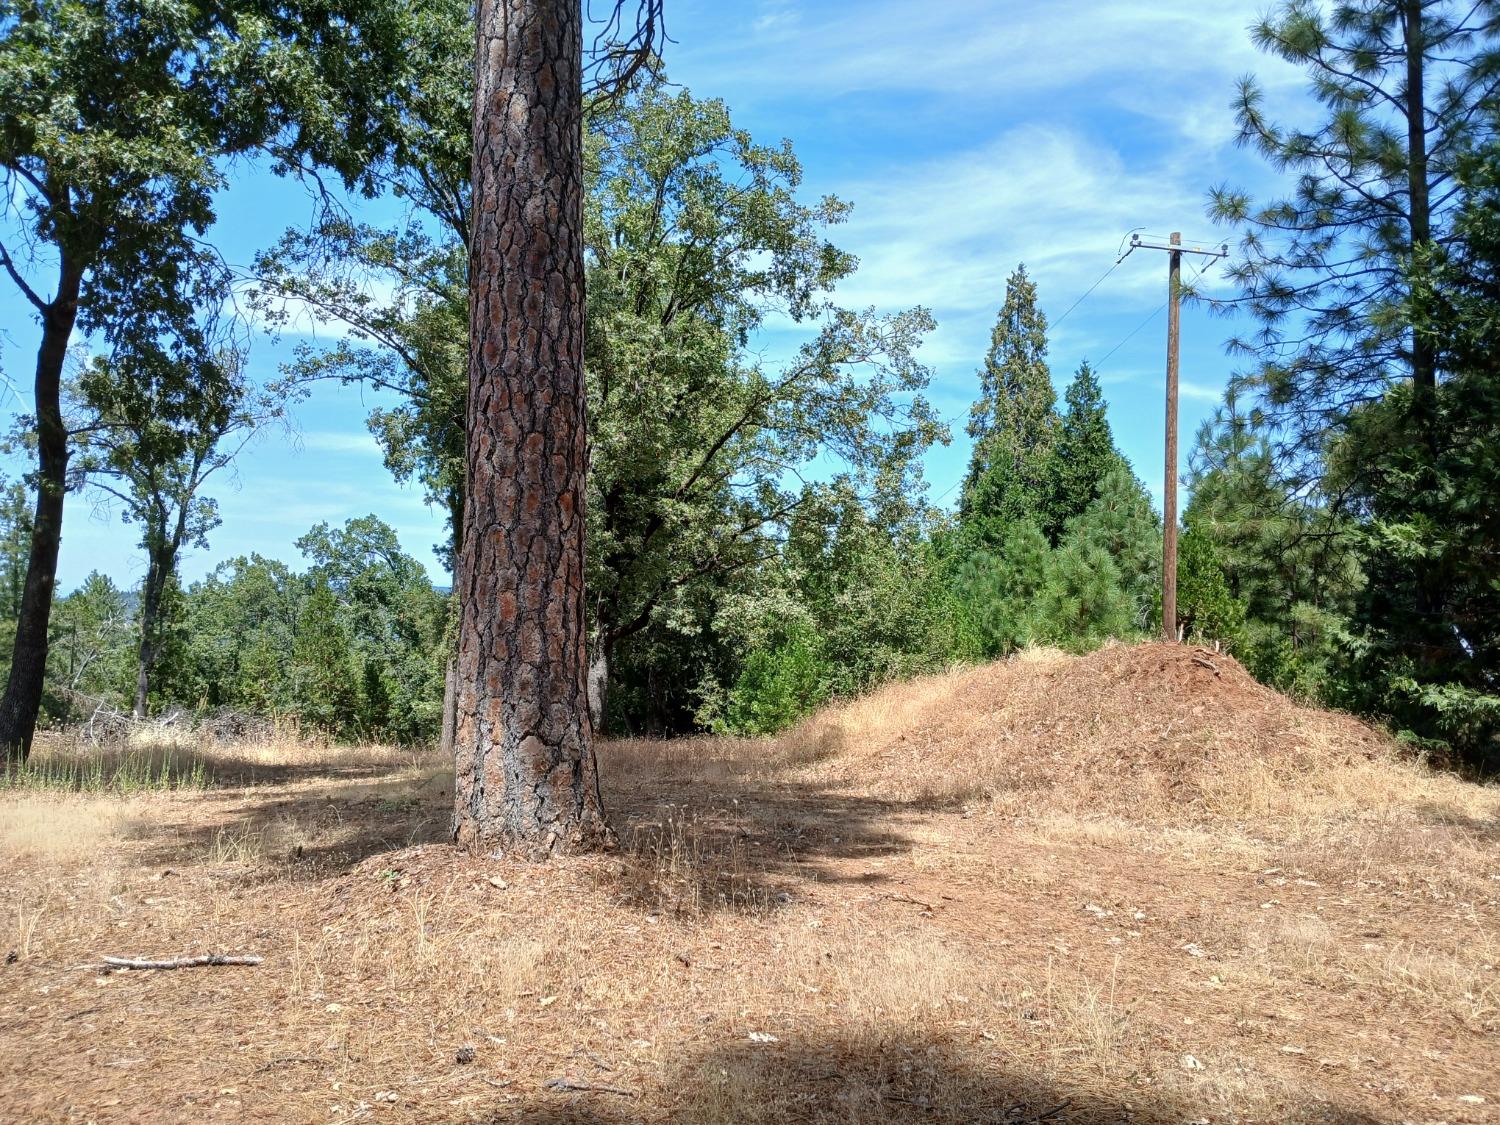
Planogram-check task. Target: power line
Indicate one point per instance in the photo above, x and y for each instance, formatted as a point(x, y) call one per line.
point(938, 498)
point(1159, 310)
point(1080, 300)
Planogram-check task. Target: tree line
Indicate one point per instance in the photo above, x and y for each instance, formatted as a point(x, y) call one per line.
point(1340, 536)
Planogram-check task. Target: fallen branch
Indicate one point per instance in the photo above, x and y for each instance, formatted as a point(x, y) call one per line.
point(572, 1085)
point(286, 1060)
point(180, 962)
point(902, 897)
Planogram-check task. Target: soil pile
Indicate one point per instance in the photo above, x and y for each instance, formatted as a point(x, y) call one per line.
point(1128, 728)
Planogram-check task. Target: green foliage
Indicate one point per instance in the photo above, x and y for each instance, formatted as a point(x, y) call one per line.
point(323, 671)
point(1083, 601)
point(1322, 270)
point(1207, 610)
point(1000, 592)
point(694, 233)
point(90, 657)
point(153, 438)
point(1286, 552)
point(1082, 457)
point(15, 550)
point(866, 589)
point(396, 623)
point(778, 685)
point(1013, 422)
point(1121, 523)
point(117, 119)
point(239, 625)
point(355, 645)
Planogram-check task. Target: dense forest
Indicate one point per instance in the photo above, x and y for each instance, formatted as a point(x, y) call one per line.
point(1341, 536)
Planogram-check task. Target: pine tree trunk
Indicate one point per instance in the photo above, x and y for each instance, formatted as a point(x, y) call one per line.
point(22, 701)
point(524, 773)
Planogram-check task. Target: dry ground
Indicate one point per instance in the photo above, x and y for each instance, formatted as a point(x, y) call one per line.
point(1127, 887)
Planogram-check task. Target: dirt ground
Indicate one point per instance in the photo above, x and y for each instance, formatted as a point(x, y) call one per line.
point(837, 926)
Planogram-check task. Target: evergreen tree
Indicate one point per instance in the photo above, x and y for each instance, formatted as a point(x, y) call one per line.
point(1404, 83)
point(1121, 523)
point(323, 671)
point(1287, 552)
point(1083, 455)
point(1084, 601)
point(999, 592)
point(15, 549)
point(89, 656)
point(1207, 610)
point(1432, 528)
point(1013, 423)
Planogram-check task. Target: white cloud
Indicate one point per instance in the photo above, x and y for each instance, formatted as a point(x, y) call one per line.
point(1153, 56)
point(338, 443)
point(1202, 392)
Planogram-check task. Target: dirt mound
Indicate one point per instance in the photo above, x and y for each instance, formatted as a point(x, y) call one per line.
point(1145, 729)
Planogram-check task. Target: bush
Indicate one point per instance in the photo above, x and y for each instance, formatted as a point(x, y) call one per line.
point(777, 686)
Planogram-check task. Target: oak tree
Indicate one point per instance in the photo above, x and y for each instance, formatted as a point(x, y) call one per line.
point(117, 118)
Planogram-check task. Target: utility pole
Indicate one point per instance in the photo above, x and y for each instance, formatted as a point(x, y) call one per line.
point(1175, 250)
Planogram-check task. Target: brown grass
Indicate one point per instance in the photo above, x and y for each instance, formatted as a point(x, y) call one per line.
point(1109, 888)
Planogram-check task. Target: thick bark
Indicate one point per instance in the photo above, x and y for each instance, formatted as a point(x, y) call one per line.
point(524, 767)
point(28, 667)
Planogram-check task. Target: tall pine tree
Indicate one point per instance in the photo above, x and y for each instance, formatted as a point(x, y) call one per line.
point(1083, 455)
point(1014, 422)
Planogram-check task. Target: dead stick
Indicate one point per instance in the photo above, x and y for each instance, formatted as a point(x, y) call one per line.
point(180, 962)
point(572, 1085)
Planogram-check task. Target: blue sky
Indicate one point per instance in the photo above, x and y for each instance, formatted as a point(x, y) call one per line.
point(970, 135)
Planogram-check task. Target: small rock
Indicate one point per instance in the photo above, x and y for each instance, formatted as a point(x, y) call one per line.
point(498, 883)
point(465, 1054)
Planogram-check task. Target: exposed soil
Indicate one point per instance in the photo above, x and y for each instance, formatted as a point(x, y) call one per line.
point(1134, 886)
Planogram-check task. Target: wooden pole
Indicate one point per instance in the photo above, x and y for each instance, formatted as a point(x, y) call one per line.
point(1169, 488)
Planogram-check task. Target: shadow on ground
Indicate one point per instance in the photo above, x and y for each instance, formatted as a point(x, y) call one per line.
point(881, 1076)
point(733, 840)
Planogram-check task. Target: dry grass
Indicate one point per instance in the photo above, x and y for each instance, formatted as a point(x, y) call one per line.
point(980, 897)
point(59, 827)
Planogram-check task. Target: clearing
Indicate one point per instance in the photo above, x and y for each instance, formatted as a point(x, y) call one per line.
point(1131, 886)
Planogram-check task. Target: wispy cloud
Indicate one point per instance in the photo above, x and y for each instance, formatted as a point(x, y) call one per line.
point(338, 443)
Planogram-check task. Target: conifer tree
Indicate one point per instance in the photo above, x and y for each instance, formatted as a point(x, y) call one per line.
point(1205, 605)
point(1121, 522)
point(1014, 422)
point(1083, 455)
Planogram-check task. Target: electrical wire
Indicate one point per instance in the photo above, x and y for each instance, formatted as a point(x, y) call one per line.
point(1159, 309)
point(1086, 293)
